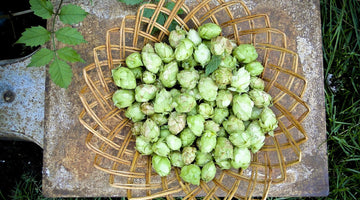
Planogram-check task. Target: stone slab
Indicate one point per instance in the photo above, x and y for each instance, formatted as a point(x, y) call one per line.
point(68, 170)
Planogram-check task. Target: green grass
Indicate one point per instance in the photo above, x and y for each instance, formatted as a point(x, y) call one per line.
point(341, 48)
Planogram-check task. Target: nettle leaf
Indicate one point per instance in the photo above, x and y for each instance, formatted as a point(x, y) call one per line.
point(213, 64)
point(60, 73)
point(69, 35)
point(41, 58)
point(34, 36)
point(131, 2)
point(69, 54)
point(72, 14)
point(42, 8)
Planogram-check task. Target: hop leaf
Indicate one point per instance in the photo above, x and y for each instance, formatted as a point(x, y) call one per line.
point(34, 36)
point(41, 58)
point(69, 54)
point(72, 14)
point(213, 64)
point(42, 8)
point(60, 73)
point(69, 35)
point(131, 2)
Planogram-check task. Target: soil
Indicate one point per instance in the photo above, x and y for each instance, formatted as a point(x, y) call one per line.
point(11, 28)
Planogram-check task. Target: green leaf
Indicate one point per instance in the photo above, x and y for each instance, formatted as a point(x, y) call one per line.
point(41, 58)
point(213, 64)
point(34, 36)
point(72, 14)
point(42, 8)
point(69, 54)
point(60, 73)
point(131, 2)
point(148, 12)
point(69, 35)
point(171, 5)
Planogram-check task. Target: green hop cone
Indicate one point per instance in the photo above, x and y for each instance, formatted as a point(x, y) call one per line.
point(160, 148)
point(123, 98)
point(124, 78)
point(220, 114)
point(202, 55)
point(173, 142)
point(187, 137)
point(196, 124)
point(202, 158)
point(224, 98)
point(242, 106)
point(212, 126)
point(229, 62)
point(134, 60)
point(165, 52)
point(137, 72)
point(255, 68)
point(159, 118)
point(260, 98)
point(147, 108)
point(209, 31)
point(194, 36)
point(240, 80)
point(241, 159)
point(176, 36)
point(161, 165)
point(168, 74)
point(224, 164)
point(164, 132)
point(184, 103)
point(135, 129)
point(188, 155)
point(143, 145)
point(222, 77)
point(184, 50)
point(206, 110)
point(245, 53)
point(233, 124)
point(176, 122)
point(267, 120)
point(188, 78)
point(176, 159)
point(208, 172)
point(191, 174)
point(145, 92)
point(150, 130)
point(221, 45)
point(207, 141)
point(134, 113)
point(163, 102)
point(148, 77)
point(257, 83)
point(240, 139)
point(151, 61)
point(207, 88)
point(256, 112)
point(223, 150)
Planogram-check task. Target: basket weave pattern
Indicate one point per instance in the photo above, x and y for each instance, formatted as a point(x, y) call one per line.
point(109, 134)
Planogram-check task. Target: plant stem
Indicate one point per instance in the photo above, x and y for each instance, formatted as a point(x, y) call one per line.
point(53, 25)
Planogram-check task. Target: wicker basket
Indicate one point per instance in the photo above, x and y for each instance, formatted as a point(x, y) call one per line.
point(109, 134)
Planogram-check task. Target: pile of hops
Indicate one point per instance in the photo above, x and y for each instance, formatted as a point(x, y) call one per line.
point(196, 103)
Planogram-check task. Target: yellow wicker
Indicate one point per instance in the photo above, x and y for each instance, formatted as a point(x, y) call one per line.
point(109, 134)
